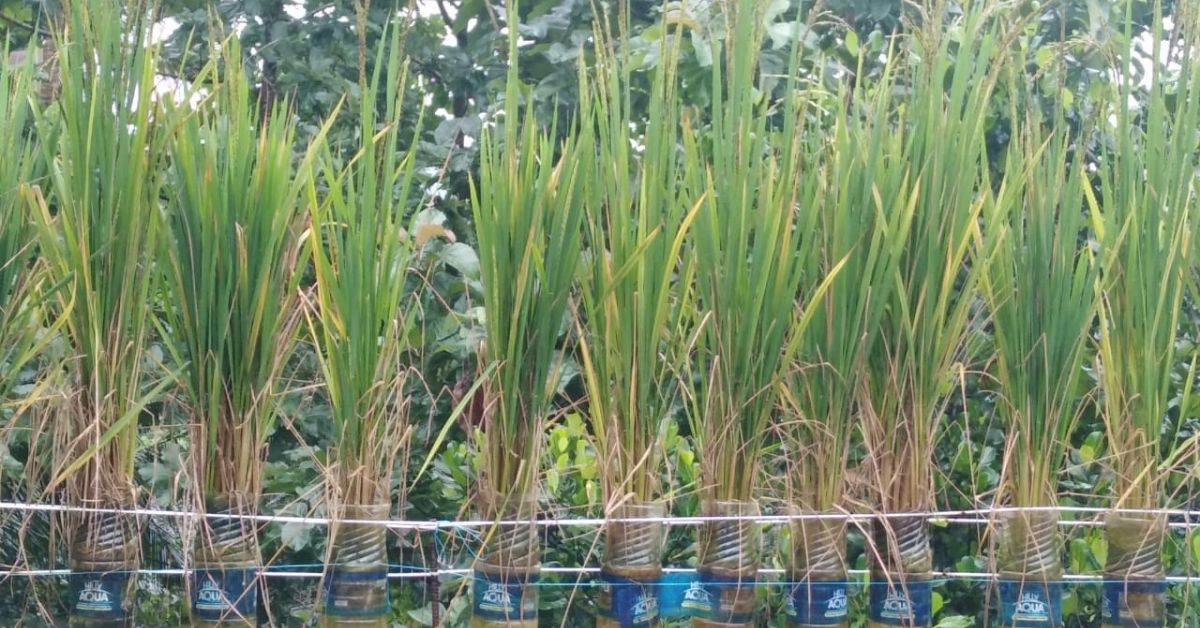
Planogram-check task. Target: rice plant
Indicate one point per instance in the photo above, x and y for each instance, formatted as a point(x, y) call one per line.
point(922, 344)
point(865, 212)
point(752, 231)
point(528, 210)
point(362, 324)
point(1039, 284)
point(637, 218)
point(755, 171)
point(234, 223)
point(105, 178)
point(920, 348)
point(1143, 199)
point(21, 270)
point(28, 320)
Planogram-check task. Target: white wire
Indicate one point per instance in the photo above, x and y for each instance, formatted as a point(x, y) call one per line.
point(1073, 523)
point(973, 516)
point(187, 514)
point(949, 516)
point(437, 573)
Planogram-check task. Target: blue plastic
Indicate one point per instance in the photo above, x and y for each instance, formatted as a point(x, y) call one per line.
point(629, 602)
point(340, 583)
point(1031, 603)
point(902, 603)
point(99, 595)
point(1114, 611)
point(676, 589)
point(502, 598)
point(818, 603)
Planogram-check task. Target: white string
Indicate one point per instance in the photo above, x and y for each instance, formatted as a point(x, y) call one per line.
point(947, 516)
point(424, 575)
point(1072, 523)
point(188, 514)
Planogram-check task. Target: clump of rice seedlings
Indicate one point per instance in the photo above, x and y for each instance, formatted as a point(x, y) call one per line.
point(98, 242)
point(232, 249)
point(23, 289)
point(636, 221)
point(759, 181)
point(1142, 198)
point(362, 323)
point(922, 336)
point(29, 322)
point(1039, 284)
point(528, 208)
point(864, 216)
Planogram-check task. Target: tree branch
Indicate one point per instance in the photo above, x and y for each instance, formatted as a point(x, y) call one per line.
point(28, 28)
point(449, 21)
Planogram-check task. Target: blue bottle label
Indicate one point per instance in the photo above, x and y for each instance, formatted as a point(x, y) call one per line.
point(97, 595)
point(224, 593)
point(1115, 609)
point(901, 603)
point(722, 600)
point(504, 597)
point(1030, 603)
point(698, 598)
point(818, 603)
point(674, 590)
point(356, 593)
point(627, 601)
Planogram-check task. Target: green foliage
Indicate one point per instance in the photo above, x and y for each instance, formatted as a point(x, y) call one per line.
point(21, 22)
